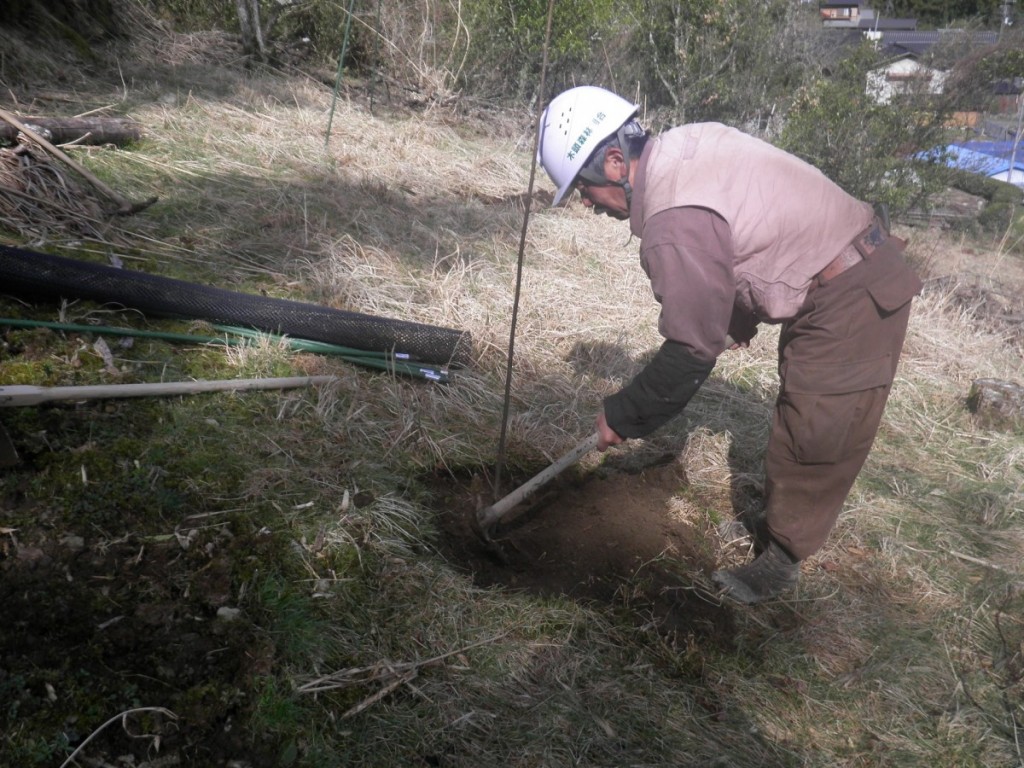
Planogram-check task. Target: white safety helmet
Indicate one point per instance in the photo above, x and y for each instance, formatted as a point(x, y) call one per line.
point(574, 124)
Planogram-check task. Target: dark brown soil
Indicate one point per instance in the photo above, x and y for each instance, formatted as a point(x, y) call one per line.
point(606, 537)
point(137, 621)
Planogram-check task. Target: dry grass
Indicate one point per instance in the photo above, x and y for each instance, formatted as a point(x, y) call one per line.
point(888, 655)
point(40, 199)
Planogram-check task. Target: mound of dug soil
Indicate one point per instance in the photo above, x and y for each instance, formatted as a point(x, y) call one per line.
point(614, 539)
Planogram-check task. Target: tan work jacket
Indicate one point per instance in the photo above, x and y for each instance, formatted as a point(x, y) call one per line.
point(786, 218)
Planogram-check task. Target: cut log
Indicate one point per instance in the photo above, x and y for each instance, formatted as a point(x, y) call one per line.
point(80, 130)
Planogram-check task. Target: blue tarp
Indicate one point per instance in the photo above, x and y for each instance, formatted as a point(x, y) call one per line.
point(988, 158)
point(1000, 149)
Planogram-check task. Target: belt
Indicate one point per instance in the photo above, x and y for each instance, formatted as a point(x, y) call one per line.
point(863, 245)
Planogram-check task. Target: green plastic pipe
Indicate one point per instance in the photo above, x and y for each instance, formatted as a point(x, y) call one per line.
point(396, 363)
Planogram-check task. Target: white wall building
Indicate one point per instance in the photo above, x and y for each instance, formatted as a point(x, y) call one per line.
point(904, 75)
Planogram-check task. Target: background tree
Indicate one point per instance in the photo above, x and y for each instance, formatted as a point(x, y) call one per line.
point(250, 29)
point(940, 13)
point(867, 147)
point(736, 61)
point(507, 42)
point(981, 68)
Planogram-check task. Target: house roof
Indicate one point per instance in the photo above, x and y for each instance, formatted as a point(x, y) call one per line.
point(899, 41)
point(882, 24)
point(905, 61)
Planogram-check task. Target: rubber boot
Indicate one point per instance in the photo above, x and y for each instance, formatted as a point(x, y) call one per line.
point(747, 529)
point(769, 575)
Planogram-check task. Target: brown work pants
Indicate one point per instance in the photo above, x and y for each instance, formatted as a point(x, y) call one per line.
point(837, 361)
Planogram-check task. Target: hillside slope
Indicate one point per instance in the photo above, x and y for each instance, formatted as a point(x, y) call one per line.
point(289, 578)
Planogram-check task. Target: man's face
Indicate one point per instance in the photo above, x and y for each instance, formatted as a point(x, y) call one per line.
point(607, 199)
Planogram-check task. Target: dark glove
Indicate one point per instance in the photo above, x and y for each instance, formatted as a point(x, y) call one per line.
point(659, 392)
point(742, 325)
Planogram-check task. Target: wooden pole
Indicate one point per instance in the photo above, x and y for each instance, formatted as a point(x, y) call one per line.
point(23, 395)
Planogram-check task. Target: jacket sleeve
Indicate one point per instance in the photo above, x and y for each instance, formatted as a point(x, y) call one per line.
point(687, 253)
point(659, 392)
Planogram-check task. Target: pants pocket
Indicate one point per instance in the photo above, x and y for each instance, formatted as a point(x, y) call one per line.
point(822, 429)
point(836, 378)
point(828, 410)
point(895, 291)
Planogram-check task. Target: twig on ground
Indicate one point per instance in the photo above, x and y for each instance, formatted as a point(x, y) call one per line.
point(360, 675)
point(371, 700)
point(985, 563)
point(123, 717)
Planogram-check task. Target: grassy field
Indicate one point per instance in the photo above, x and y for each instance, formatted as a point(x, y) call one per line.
point(284, 578)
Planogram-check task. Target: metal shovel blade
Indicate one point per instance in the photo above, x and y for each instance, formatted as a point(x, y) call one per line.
point(488, 517)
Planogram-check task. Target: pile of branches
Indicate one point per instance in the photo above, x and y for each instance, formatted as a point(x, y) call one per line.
point(38, 199)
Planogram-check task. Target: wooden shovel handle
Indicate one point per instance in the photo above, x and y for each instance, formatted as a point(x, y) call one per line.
point(490, 516)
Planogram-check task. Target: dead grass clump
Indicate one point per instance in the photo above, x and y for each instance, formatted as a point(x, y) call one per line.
point(154, 40)
point(992, 305)
point(40, 201)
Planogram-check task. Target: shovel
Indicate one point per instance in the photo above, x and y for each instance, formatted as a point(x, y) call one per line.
point(488, 517)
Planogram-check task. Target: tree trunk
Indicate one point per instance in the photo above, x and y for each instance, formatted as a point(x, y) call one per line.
point(82, 130)
point(249, 24)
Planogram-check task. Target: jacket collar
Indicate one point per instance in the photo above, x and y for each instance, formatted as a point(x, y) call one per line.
point(636, 207)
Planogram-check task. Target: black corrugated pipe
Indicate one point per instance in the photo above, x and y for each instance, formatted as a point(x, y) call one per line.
point(30, 274)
